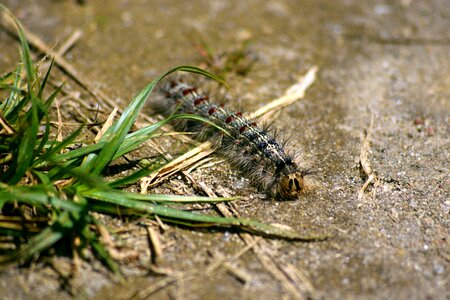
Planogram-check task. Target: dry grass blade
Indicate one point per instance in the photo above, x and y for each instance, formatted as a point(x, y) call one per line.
point(365, 163)
point(73, 38)
point(108, 123)
point(293, 94)
point(5, 125)
point(179, 164)
point(222, 261)
point(155, 243)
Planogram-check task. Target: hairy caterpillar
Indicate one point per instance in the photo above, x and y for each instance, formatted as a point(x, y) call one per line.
point(251, 149)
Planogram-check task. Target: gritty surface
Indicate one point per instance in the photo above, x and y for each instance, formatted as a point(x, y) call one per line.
point(376, 58)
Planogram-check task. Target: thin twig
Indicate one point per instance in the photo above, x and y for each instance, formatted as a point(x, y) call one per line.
point(59, 136)
point(8, 128)
point(220, 260)
point(73, 38)
point(155, 243)
point(179, 163)
point(365, 163)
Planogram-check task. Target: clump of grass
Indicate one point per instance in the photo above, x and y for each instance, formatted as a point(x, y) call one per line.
point(48, 187)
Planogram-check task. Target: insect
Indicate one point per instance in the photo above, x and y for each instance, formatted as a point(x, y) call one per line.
point(249, 148)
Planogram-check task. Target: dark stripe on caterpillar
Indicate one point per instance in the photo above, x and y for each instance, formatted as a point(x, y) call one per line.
point(251, 149)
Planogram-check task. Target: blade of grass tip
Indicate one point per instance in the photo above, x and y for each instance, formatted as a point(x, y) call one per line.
point(116, 133)
point(199, 71)
point(244, 224)
point(114, 136)
point(181, 215)
point(25, 152)
point(26, 56)
point(44, 82)
point(52, 97)
point(15, 115)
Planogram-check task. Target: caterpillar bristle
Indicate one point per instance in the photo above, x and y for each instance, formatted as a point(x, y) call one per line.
point(259, 152)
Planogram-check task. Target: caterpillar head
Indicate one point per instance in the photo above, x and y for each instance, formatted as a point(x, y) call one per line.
point(291, 185)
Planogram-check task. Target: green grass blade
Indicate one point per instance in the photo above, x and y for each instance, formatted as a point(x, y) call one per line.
point(135, 139)
point(83, 180)
point(117, 133)
point(45, 136)
point(99, 250)
point(191, 219)
point(53, 151)
point(44, 82)
point(103, 254)
point(10, 81)
point(243, 224)
point(11, 101)
point(37, 196)
point(7, 78)
point(52, 97)
point(134, 177)
point(26, 149)
point(45, 181)
point(67, 156)
point(26, 56)
point(118, 195)
point(43, 240)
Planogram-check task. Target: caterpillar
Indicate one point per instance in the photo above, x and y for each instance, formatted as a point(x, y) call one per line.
point(249, 148)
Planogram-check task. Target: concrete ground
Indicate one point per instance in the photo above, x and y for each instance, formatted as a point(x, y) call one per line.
point(386, 59)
